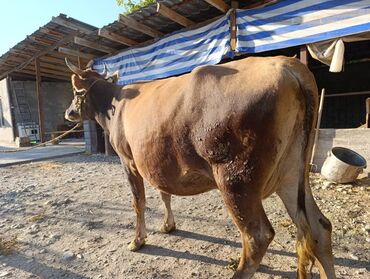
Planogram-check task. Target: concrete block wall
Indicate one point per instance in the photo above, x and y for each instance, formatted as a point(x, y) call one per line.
point(6, 130)
point(357, 140)
point(57, 97)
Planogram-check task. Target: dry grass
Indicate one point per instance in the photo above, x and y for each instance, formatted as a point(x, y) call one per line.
point(8, 247)
point(37, 218)
point(50, 166)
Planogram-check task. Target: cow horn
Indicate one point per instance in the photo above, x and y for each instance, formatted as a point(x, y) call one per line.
point(105, 72)
point(73, 68)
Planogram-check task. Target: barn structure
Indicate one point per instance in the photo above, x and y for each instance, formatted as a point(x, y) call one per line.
point(171, 37)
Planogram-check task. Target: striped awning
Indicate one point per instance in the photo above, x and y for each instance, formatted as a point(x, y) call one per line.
point(173, 55)
point(290, 23)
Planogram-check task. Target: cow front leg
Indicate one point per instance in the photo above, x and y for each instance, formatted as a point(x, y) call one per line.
point(137, 189)
point(169, 221)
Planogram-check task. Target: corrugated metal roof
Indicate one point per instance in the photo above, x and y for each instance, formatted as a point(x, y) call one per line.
point(55, 34)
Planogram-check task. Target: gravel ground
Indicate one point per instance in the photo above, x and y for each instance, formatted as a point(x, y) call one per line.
point(72, 218)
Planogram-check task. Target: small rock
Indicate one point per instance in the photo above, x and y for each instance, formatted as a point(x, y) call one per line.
point(68, 256)
point(34, 229)
point(79, 256)
point(5, 273)
point(42, 251)
point(353, 257)
point(17, 226)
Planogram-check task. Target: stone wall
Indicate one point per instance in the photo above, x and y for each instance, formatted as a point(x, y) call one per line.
point(6, 125)
point(57, 97)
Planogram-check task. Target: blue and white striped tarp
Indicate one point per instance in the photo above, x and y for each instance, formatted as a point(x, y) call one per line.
point(296, 22)
point(175, 54)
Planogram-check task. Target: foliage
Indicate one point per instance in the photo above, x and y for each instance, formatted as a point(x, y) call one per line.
point(130, 6)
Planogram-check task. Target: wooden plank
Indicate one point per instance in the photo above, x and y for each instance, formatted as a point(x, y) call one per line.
point(40, 53)
point(49, 59)
point(70, 25)
point(174, 16)
point(93, 45)
point(55, 67)
point(20, 53)
point(50, 71)
point(139, 26)
point(32, 73)
point(219, 4)
point(43, 41)
point(40, 107)
point(116, 37)
point(76, 53)
point(51, 32)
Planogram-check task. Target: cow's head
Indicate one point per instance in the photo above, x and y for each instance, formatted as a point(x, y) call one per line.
point(82, 82)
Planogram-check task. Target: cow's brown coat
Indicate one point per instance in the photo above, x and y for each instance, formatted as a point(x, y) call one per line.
point(244, 128)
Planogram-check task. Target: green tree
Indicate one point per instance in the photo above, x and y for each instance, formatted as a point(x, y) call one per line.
point(130, 6)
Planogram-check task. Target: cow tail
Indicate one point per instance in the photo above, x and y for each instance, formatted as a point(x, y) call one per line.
point(308, 88)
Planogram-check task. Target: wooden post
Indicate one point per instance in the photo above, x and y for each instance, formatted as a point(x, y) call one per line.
point(368, 113)
point(109, 151)
point(79, 61)
point(234, 6)
point(303, 55)
point(40, 108)
point(321, 105)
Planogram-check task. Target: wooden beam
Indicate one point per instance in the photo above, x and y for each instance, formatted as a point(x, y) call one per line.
point(70, 25)
point(116, 37)
point(32, 73)
point(20, 52)
point(76, 53)
point(219, 4)
point(49, 71)
point(40, 53)
point(174, 16)
point(89, 44)
point(129, 22)
point(42, 41)
point(59, 67)
point(48, 59)
point(234, 6)
point(51, 32)
point(40, 107)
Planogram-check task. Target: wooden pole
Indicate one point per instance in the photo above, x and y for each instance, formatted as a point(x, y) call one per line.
point(80, 64)
point(40, 108)
point(321, 105)
point(368, 113)
point(234, 6)
point(303, 55)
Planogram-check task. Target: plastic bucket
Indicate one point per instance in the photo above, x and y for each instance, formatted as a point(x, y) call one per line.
point(343, 165)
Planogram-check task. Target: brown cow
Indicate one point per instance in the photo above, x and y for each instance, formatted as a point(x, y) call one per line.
point(244, 128)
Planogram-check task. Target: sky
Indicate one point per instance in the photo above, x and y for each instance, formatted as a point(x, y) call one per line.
point(19, 18)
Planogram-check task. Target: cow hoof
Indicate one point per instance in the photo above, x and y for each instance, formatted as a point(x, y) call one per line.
point(166, 228)
point(136, 245)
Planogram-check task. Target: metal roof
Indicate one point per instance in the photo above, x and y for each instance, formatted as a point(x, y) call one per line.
point(57, 39)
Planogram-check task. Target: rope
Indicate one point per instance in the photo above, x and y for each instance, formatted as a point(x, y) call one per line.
point(44, 143)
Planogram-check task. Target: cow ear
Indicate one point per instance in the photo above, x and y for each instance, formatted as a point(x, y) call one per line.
point(77, 84)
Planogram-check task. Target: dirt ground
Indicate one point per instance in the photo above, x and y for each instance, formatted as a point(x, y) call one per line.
point(72, 218)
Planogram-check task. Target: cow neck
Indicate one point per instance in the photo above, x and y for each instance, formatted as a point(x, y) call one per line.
point(102, 97)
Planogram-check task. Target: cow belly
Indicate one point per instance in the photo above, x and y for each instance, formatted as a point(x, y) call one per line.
point(189, 183)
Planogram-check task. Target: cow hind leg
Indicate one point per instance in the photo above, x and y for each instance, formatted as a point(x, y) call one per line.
point(137, 188)
point(249, 216)
point(314, 229)
point(169, 221)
